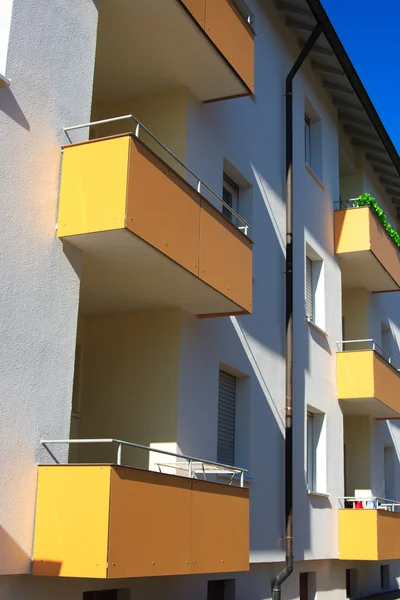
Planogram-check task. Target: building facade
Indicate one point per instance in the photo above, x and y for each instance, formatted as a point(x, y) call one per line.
point(143, 183)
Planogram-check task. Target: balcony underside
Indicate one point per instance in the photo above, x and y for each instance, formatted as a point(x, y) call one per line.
point(148, 47)
point(121, 272)
point(363, 270)
point(368, 406)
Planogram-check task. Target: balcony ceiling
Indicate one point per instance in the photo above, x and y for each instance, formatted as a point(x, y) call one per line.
point(122, 272)
point(145, 47)
point(356, 113)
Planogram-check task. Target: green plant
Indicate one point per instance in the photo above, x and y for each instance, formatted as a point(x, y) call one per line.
point(367, 200)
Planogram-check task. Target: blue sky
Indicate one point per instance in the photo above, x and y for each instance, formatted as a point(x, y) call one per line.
point(370, 32)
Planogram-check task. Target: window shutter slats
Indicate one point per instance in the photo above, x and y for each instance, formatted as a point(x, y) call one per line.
point(226, 419)
point(309, 289)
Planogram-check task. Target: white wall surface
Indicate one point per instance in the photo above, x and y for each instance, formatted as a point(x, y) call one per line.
point(329, 576)
point(249, 133)
point(39, 283)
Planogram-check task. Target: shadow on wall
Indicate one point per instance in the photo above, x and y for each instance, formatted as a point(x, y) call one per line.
point(9, 106)
point(13, 560)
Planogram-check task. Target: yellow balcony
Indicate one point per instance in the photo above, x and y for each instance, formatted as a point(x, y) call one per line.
point(368, 257)
point(206, 46)
point(369, 534)
point(367, 383)
point(111, 522)
point(149, 238)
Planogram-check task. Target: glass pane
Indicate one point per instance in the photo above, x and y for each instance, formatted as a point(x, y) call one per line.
point(228, 199)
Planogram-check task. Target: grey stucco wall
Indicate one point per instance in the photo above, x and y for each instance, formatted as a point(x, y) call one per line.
point(50, 63)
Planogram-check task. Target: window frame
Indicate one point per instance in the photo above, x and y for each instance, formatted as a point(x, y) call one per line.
point(307, 140)
point(223, 460)
point(313, 142)
point(228, 185)
point(311, 452)
point(318, 300)
point(315, 447)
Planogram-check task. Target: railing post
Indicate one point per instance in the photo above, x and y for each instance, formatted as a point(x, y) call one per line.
point(242, 479)
point(190, 468)
point(199, 186)
point(373, 346)
point(137, 129)
point(119, 454)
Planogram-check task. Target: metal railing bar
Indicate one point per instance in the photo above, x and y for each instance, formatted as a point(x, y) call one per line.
point(375, 346)
point(379, 501)
point(179, 161)
point(141, 447)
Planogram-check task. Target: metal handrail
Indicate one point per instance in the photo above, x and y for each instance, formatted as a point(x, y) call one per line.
point(140, 125)
point(191, 459)
point(373, 346)
point(245, 11)
point(376, 501)
point(350, 203)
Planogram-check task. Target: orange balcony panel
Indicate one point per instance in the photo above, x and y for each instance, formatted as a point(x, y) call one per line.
point(162, 208)
point(149, 239)
point(368, 256)
point(197, 9)
point(214, 506)
point(222, 259)
point(110, 522)
point(144, 509)
point(369, 534)
point(233, 38)
point(367, 384)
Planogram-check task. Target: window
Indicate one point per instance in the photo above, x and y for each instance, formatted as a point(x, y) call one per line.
point(351, 583)
point(77, 387)
point(389, 472)
point(315, 451)
point(307, 139)
point(226, 418)
point(121, 594)
point(101, 595)
point(311, 452)
point(307, 583)
point(385, 577)
point(314, 288)
point(309, 289)
point(230, 196)
point(221, 589)
point(312, 139)
point(386, 340)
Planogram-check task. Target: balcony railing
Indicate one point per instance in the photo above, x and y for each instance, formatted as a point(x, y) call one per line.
point(368, 503)
point(196, 183)
point(371, 533)
point(245, 11)
point(112, 521)
point(121, 185)
point(189, 465)
point(368, 344)
point(368, 379)
point(368, 256)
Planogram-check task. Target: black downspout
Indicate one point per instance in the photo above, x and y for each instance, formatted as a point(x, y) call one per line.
point(288, 569)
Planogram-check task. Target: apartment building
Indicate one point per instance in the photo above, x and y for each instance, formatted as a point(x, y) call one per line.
point(144, 191)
